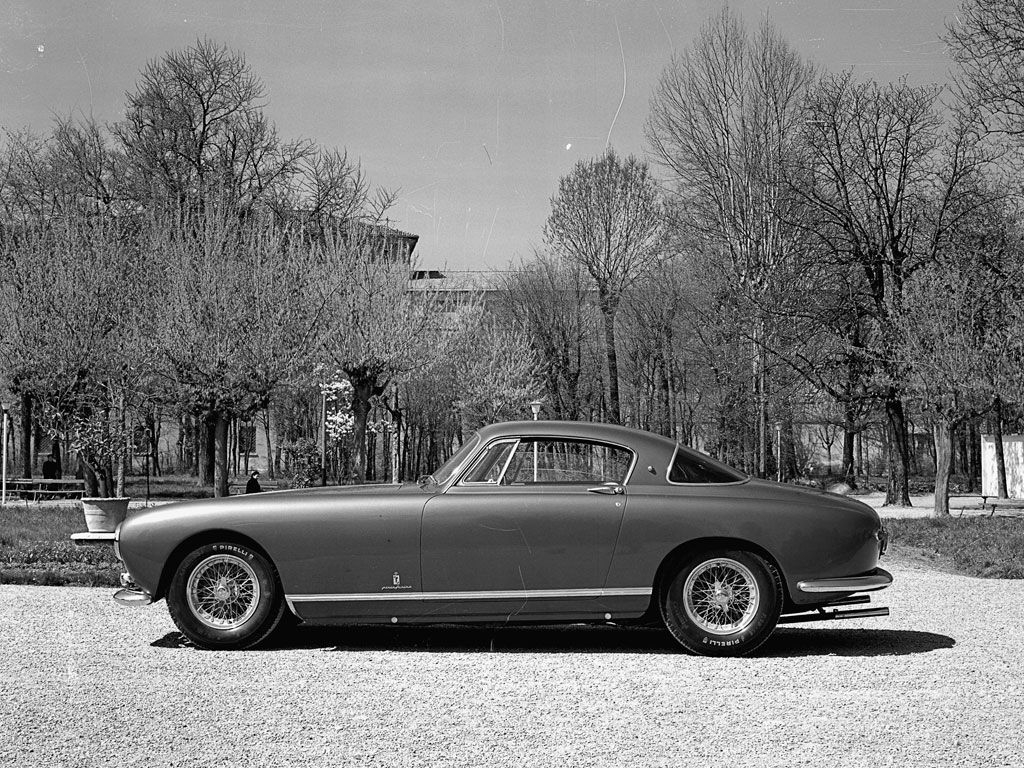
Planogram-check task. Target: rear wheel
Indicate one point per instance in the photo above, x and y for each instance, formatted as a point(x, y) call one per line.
point(225, 596)
point(722, 602)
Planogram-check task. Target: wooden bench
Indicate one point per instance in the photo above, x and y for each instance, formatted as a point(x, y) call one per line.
point(996, 503)
point(34, 489)
point(238, 489)
point(990, 503)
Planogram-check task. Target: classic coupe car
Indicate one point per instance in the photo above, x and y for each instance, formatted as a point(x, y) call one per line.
point(536, 521)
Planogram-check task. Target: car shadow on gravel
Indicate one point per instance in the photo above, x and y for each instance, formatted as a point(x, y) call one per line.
point(465, 639)
point(823, 641)
point(785, 642)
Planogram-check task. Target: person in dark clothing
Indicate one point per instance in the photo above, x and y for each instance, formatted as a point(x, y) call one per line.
point(50, 469)
point(253, 486)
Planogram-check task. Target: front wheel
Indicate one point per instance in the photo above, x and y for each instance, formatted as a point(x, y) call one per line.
point(722, 603)
point(225, 596)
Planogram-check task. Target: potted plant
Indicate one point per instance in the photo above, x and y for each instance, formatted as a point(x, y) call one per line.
point(93, 423)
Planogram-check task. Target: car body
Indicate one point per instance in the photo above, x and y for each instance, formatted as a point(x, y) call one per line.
point(534, 521)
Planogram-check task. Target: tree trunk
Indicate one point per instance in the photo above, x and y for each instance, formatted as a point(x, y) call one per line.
point(897, 491)
point(26, 435)
point(943, 464)
point(266, 433)
point(205, 428)
point(858, 438)
point(915, 465)
point(760, 384)
point(153, 443)
point(220, 439)
point(371, 457)
point(362, 391)
point(960, 449)
point(974, 455)
point(608, 313)
point(997, 437)
point(121, 458)
point(92, 483)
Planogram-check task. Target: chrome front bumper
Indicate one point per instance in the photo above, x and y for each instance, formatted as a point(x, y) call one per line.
point(877, 579)
point(132, 593)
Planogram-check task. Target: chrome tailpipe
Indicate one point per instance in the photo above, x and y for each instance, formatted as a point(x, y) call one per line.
point(827, 612)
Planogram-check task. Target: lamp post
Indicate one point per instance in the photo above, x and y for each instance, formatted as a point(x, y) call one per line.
point(535, 406)
point(778, 450)
point(3, 492)
point(323, 434)
point(149, 445)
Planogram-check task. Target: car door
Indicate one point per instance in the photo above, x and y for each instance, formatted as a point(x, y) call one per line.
point(530, 528)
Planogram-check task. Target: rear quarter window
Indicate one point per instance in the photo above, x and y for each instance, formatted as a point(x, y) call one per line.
point(691, 467)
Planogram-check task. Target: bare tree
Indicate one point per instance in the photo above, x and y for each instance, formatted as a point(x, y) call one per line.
point(498, 371)
point(663, 376)
point(986, 40)
point(91, 173)
point(194, 125)
point(886, 182)
point(550, 302)
point(606, 217)
point(29, 186)
point(76, 334)
point(239, 317)
point(722, 125)
point(379, 330)
point(960, 334)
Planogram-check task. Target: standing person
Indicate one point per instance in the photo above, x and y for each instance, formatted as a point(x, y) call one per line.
point(253, 486)
point(50, 469)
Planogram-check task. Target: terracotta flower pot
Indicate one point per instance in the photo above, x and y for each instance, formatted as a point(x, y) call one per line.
point(103, 515)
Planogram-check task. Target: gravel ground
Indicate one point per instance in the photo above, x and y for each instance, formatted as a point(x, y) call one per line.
point(85, 682)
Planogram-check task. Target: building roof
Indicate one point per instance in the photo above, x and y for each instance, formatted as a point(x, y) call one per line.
point(458, 281)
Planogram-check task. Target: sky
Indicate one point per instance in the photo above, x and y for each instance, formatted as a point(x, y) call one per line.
point(471, 109)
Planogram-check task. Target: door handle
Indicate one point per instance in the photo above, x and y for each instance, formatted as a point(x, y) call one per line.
point(612, 489)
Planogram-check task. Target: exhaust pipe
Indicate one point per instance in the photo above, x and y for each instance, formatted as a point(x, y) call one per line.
point(823, 614)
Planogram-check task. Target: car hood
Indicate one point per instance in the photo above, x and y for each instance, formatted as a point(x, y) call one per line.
point(269, 500)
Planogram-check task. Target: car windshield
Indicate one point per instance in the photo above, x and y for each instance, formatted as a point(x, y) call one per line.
point(443, 473)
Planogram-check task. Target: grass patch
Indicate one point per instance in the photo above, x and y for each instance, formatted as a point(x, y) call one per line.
point(990, 547)
point(36, 548)
point(167, 487)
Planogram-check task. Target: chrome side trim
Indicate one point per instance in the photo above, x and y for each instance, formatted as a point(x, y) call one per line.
point(510, 594)
point(880, 579)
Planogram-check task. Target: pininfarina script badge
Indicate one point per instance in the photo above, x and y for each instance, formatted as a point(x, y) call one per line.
point(396, 583)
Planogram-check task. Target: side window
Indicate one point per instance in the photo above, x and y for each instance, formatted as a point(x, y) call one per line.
point(490, 465)
point(567, 462)
point(693, 467)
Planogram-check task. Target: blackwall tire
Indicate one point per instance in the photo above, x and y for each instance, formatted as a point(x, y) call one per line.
point(225, 596)
point(722, 602)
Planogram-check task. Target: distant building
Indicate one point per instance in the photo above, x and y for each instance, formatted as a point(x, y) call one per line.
point(453, 286)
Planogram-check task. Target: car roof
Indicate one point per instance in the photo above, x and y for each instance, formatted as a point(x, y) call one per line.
point(585, 430)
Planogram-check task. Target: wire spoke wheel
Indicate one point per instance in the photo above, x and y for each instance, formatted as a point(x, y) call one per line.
point(721, 596)
point(223, 591)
